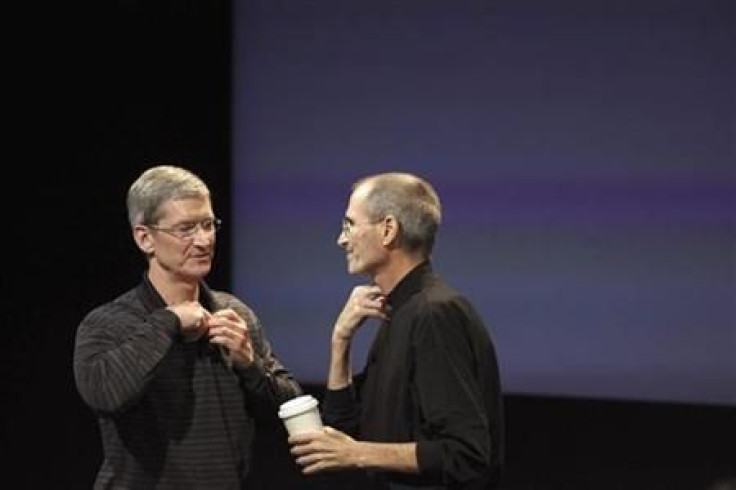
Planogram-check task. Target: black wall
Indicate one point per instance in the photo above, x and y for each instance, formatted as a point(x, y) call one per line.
point(103, 90)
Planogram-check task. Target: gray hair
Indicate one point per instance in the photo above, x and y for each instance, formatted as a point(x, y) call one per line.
point(158, 185)
point(411, 200)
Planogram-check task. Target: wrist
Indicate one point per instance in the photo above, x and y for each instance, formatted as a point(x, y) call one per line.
point(362, 457)
point(341, 338)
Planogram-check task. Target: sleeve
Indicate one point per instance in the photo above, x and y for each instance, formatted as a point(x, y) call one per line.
point(116, 352)
point(340, 409)
point(454, 446)
point(267, 382)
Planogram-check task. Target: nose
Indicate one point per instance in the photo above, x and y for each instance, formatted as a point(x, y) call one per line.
point(341, 239)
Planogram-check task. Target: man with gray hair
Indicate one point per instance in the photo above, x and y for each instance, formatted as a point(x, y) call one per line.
point(426, 411)
point(176, 373)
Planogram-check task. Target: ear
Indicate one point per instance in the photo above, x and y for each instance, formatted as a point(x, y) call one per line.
point(143, 238)
point(390, 231)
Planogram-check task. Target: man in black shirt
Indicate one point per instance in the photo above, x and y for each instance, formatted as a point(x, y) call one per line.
point(176, 373)
point(426, 411)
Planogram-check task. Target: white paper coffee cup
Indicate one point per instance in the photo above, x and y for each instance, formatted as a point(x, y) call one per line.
point(301, 414)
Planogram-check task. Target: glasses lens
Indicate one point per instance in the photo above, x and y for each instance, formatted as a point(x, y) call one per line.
point(207, 225)
point(188, 230)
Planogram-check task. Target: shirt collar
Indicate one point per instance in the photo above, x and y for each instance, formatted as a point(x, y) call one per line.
point(410, 284)
point(152, 300)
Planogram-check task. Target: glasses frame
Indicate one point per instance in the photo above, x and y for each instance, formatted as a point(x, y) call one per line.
point(214, 223)
point(347, 225)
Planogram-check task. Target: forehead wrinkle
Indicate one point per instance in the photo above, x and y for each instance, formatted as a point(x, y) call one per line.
point(177, 211)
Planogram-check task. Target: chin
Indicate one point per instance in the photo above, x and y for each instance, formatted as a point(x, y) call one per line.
point(201, 271)
point(354, 269)
point(358, 269)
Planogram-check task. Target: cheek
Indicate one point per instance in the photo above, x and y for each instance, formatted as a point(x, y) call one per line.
point(368, 251)
point(362, 248)
point(174, 253)
point(185, 250)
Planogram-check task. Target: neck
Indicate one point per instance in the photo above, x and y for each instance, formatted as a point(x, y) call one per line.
point(173, 289)
point(398, 266)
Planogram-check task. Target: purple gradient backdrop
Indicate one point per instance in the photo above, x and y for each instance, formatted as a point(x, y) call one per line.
point(584, 151)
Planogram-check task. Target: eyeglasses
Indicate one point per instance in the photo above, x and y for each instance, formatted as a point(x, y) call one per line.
point(187, 230)
point(347, 225)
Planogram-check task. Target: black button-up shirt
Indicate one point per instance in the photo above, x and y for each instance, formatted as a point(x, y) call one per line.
point(431, 377)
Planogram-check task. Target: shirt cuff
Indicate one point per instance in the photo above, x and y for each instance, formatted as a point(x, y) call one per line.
point(429, 458)
point(339, 403)
point(252, 372)
point(168, 320)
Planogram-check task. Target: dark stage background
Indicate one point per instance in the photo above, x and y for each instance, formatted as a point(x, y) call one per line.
point(583, 150)
point(102, 90)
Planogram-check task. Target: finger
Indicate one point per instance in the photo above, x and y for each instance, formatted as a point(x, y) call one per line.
point(300, 450)
point(223, 314)
point(230, 314)
point(317, 467)
point(303, 438)
point(370, 288)
point(374, 312)
point(312, 459)
point(374, 303)
point(220, 338)
point(235, 323)
point(234, 341)
point(229, 330)
point(225, 338)
point(366, 291)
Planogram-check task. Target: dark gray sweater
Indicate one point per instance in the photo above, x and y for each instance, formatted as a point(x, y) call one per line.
point(171, 414)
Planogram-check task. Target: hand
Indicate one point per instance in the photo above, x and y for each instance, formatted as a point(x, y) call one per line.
point(192, 319)
point(328, 449)
point(229, 330)
point(364, 302)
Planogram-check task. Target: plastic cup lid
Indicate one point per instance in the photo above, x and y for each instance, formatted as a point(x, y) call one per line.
point(297, 405)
